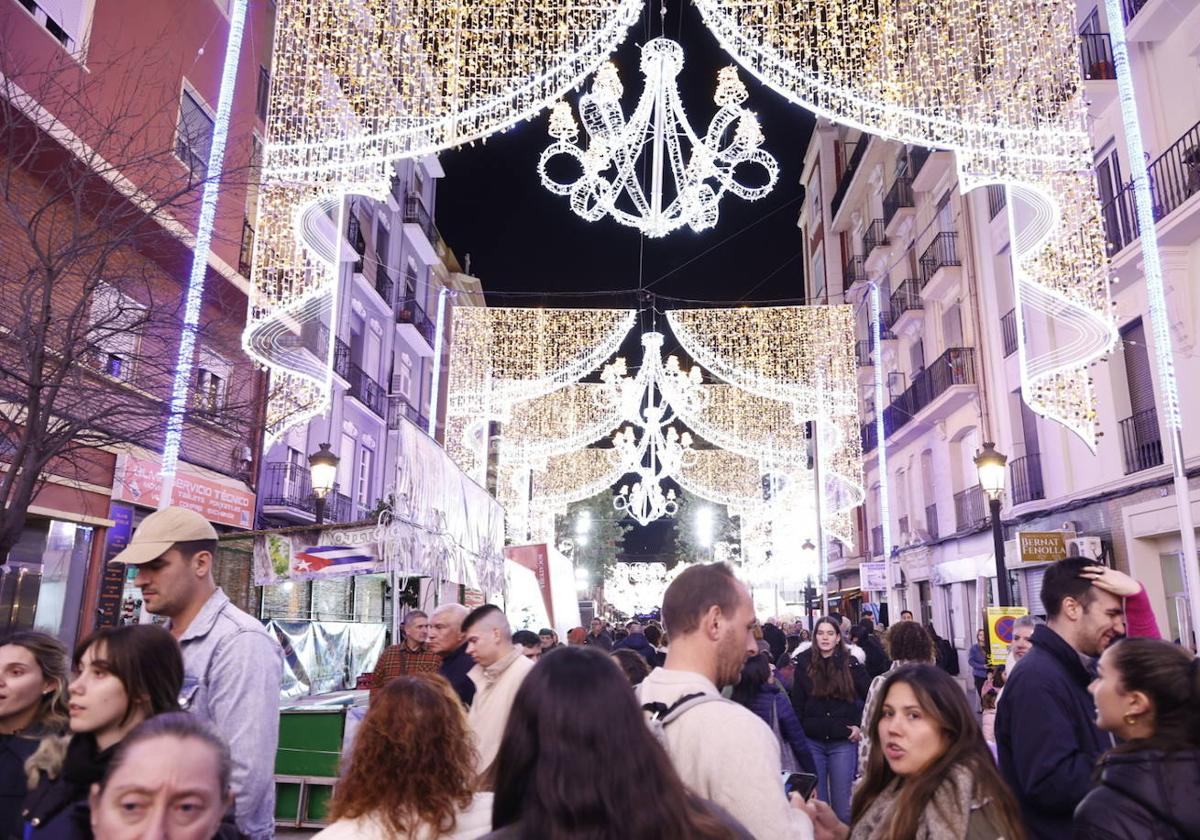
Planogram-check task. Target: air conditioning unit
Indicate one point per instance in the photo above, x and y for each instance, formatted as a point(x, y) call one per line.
point(1089, 547)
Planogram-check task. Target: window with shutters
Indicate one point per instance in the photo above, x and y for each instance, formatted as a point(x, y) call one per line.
point(1137, 368)
point(193, 135)
point(264, 93)
point(362, 492)
point(116, 322)
point(212, 382)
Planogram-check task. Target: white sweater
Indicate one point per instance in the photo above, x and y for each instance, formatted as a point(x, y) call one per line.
point(726, 754)
point(474, 821)
point(495, 688)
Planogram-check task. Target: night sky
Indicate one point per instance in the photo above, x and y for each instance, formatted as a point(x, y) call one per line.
point(528, 248)
point(523, 239)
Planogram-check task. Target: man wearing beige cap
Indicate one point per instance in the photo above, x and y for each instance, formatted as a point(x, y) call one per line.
point(232, 667)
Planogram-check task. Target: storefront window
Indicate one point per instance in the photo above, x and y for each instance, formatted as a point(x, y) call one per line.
point(42, 582)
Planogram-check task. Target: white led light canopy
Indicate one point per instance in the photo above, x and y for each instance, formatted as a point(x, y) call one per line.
point(688, 174)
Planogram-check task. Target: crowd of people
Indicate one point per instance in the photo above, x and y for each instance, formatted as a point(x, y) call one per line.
point(707, 723)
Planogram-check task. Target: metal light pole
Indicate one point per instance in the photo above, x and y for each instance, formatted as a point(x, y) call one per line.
point(322, 466)
point(1164, 356)
point(992, 467)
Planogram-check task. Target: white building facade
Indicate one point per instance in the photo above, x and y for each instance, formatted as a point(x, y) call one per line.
point(879, 213)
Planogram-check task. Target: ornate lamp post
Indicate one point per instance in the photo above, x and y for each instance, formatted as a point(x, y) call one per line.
point(993, 469)
point(322, 466)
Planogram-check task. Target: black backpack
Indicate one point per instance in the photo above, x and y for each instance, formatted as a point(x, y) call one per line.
point(948, 657)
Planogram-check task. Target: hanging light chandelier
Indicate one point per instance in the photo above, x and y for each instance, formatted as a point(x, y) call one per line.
point(688, 174)
point(647, 400)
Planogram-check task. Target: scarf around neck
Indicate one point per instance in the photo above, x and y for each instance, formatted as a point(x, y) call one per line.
point(946, 816)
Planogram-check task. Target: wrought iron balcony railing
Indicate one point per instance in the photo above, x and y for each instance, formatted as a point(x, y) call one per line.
point(1026, 476)
point(874, 237)
point(942, 251)
point(899, 195)
point(1095, 56)
point(970, 509)
point(416, 214)
point(1141, 441)
point(410, 312)
point(860, 150)
point(1008, 329)
point(997, 198)
point(855, 271)
point(907, 297)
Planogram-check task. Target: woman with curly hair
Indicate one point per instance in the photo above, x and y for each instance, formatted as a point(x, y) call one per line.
point(412, 771)
point(908, 643)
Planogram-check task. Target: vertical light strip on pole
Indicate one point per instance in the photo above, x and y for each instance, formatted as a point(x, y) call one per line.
point(185, 362)
point(1157, 299)
point(880, 434)
point(439, 329)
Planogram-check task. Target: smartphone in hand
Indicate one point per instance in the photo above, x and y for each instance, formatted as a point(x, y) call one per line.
point(801, 783)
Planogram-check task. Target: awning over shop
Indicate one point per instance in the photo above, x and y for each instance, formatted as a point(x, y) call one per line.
point(216, 497)
point(442, 525)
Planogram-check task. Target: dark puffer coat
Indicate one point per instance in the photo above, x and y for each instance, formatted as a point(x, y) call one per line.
point(828, 719)
point(1143, 795)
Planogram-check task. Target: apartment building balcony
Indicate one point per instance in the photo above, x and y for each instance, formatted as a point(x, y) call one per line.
point(367, 391)
point(1008, 330)
point(855, 271)
point(941, 267)
point(908, 310)
point(400, 409)
point(1174, 179)
point(928, 167)
point(935, 392)
point(874, 238)
point(384, 284)
point(898, 204)
point(836, 559)
point(1099, 70)
point(877, 541)
point(419, 227)
point(1152, 20)
point(847, 175)
point(1026, 475)
point(415, 327)
point(869, 433)
point(358, 245)
point(287, 495)
point(997, 199)
point(931, 521)
point(341, 360)
point(970, 509)
point(1141, 441)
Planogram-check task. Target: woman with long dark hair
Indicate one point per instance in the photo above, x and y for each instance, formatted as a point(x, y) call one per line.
point(33, 705)
point(931, 775)
point(412, 772)
point(1147, 694)
point(578, 762)
point(123, 676)
point(758, 692)
point(828, 690)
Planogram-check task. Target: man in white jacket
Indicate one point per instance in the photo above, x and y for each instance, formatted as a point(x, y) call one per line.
point(500, 668)
point(722, 751)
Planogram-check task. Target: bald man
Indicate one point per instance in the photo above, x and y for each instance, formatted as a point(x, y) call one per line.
point(500, 668)
point(447, 640)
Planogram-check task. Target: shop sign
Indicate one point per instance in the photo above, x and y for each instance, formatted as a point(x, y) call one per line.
point(112, 584)
point(1000, 631)
point(472, 598)
point(536, 558)
point(874, 575)
point(137, 480)
point(1043, 546)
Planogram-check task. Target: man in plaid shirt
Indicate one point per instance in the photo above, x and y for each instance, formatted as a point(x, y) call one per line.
point(408, 657)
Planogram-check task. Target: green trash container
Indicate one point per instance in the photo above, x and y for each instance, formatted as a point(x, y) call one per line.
point(311, 734)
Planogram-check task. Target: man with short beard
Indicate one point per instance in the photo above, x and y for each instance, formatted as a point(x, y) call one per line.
point(723, 751)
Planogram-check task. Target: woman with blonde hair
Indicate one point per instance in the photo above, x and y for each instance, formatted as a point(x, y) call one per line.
point(33, 705)
point(412, 772)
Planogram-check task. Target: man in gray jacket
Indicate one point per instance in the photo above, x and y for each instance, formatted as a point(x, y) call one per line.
point(232, 667)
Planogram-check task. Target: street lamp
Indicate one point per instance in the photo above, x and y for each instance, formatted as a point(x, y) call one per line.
point(992, 467)
point(322, 466)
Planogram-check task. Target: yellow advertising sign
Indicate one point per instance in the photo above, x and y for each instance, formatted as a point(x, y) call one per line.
point(1042, 546)
point(1000, 631)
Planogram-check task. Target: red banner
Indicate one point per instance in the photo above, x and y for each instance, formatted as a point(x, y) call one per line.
point(537, 559)
point(137, 480)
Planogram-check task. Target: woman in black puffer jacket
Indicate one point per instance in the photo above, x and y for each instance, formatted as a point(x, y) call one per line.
point(1147, 694)
point(828, 691)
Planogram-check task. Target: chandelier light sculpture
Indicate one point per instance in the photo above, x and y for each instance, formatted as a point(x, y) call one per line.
point(688, 174)
point(648, 400)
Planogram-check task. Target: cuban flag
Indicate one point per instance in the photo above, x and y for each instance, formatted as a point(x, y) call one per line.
point(334, 560)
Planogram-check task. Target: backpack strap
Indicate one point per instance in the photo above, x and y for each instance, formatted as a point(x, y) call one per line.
point(665, 714)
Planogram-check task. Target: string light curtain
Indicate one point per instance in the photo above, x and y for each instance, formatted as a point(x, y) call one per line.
point(999, 83)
